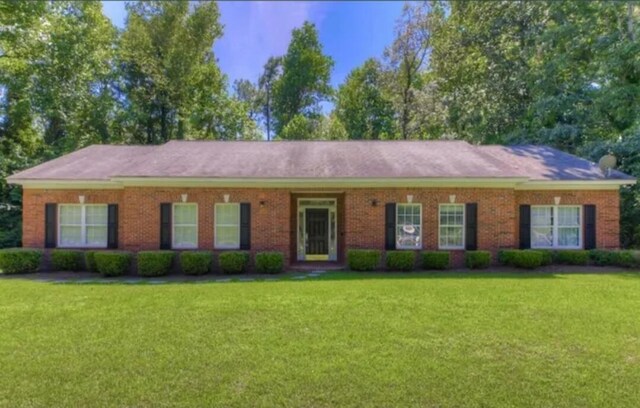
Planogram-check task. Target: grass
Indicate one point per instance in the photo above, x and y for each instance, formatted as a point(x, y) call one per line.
point(446, 340)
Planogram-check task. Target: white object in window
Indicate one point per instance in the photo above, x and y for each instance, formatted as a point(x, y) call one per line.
point(408, 226)
point(227, 226)
point(82, 225)
point(451, 226)
point(556, 227)
point(185, 226)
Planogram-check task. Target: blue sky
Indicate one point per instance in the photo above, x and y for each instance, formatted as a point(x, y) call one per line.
point(350, 32)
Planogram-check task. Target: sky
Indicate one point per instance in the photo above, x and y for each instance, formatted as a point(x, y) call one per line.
point(350, 32)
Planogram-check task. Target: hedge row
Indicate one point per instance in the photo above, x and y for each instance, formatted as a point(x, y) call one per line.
point(532, 258)
point(371, 259)
point(149, 263)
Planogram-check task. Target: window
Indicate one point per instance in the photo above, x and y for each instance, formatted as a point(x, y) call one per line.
point(556, 227)
point(451, 226)
point(185, 226)
point(82, 225)
point(227, 226)
point(408, 226)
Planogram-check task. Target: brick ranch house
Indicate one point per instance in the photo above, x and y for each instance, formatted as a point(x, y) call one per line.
point(315, 200)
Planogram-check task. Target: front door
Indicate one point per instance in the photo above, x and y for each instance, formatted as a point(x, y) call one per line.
point(317, 229)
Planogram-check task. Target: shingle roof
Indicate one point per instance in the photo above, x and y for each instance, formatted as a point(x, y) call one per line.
point(318, 160)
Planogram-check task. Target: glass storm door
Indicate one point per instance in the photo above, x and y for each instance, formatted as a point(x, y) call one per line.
point(317, 229)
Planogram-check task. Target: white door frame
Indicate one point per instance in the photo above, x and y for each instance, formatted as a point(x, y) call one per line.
point(330, 204)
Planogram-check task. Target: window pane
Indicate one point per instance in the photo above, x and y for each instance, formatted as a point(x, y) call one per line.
point(227, 237)
point(568, 237)
point(185, 237)
point(70, 236)
point(71, 214)
point(185, 214)
point(96, 214)
point(227, 214)
point(541, 236)
point(569, 216)
point(541, 216)
point(408, 236)
point(97, 236)
point(451, 237)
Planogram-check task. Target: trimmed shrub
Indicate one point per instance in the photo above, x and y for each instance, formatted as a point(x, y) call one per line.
point(233, 262)
point(113, 263)
point(603, 257)
point(19, 260)
point(66, 260)
point(269, 262)
point(571, 257)
point(477, 259)
point(400, 260)
point(196, 262)
point(624, 259)
point(435, 260)
point(90, 261)
point(154, 263)
point(528, 259)
point(547, 256)
point(363, 259)
point(636, 256)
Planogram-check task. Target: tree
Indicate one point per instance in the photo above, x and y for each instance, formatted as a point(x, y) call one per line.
point(169, 70)
point(270, 75)
point(305, 78)
point(362, 105)
point(407, 56)
point(246, 92)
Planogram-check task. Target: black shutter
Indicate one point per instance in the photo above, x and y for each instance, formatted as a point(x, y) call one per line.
point(245, 226)
point(589, 226)
point(112, 226)
point(165, 226)
point(525, 226)
point(50, 224)
point(390, 226)
point(471, 229)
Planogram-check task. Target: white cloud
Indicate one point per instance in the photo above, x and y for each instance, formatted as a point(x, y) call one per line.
point(254, 31)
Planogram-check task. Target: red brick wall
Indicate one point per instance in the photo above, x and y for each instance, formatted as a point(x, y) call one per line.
point(363, 223)
point(607, 204)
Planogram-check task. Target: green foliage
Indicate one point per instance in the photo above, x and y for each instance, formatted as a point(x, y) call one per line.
point(269, 262)
point(477, 259)
point(601, 257)
point(363, 106)
point(90, 261)
point(113, 263)
point(304, 82)
point(196, 262)
point(19, 260)
point(571, 257)
point(435, 260)
point(67, 260)
point(528, 259)
point(363, 259)
point(233, 262)
point(400, 260)
point(154, 263)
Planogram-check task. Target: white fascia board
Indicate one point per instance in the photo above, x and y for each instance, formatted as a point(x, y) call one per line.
point(67, 184)
point(574, 184)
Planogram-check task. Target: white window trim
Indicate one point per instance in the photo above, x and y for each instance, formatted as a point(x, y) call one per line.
point(555, 227)
point(174, 225)
point(420, 224)
point(216, 225)
point(83, 226)
point(464, 223)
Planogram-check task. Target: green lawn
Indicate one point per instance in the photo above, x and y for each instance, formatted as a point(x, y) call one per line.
point(341, 340)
